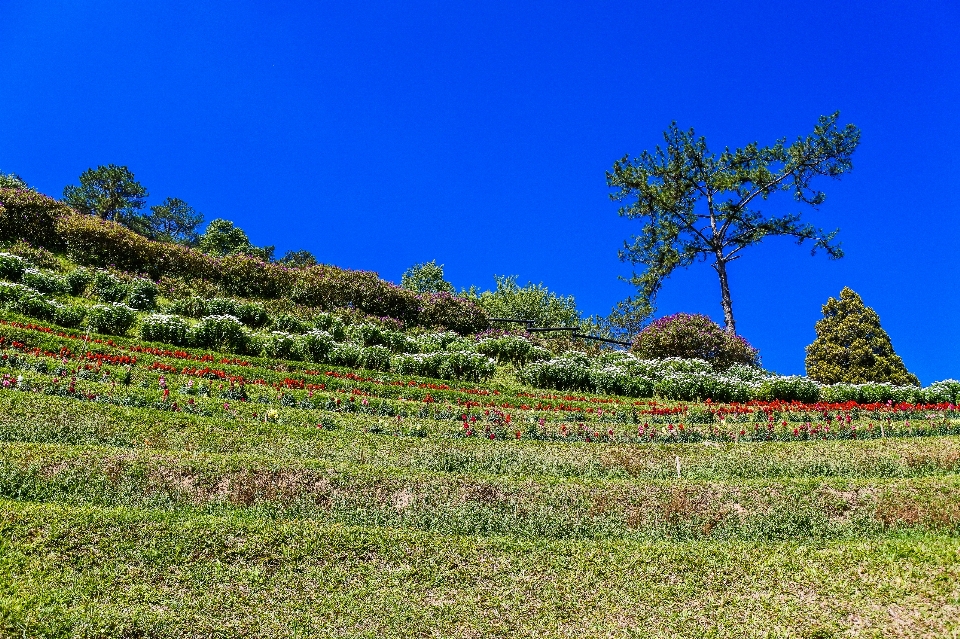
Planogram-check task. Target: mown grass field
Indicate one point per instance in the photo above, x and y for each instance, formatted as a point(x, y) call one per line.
point(122, 515)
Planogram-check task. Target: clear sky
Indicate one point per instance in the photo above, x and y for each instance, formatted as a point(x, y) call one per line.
point(378, 135)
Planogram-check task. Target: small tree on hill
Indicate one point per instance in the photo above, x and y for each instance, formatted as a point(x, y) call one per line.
point(299, 259)
point(851, 346)
point(426, 278)
point(174, 221)
point(111, 193)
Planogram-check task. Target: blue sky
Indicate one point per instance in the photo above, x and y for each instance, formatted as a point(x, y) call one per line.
point(378, 135)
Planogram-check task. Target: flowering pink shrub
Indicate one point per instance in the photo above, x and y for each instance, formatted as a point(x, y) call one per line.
point(694, 336)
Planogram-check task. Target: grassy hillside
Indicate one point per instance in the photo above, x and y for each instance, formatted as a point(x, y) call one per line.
point(394, 479)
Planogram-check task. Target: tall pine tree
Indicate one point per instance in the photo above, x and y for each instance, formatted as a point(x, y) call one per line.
point(851, 346)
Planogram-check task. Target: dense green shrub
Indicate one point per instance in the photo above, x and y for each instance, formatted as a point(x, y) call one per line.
point(78, 280)
point(26, 301)
point(569, 372)
point(512, 349)
point(789, 388)
point(945, 392)
point(375, 335)
point(106, 287)
point(613, 380)
point(142, 294)
point(69, 315)
point(168, 329)
point(290, 324)
point(346, 355)
point(445, 341)
point(44, 282)
point(90, 241)
point(314, 346)
point(111, 319)
point(252, 314)
point(331, 324)
point(29, 216)
point(852, 347)
point(12, 267)
point(464, 365)
point(275, 344)
point(693, 336)
point(219, 332)
point(189, 307)
point(376, 358)
point(459, 314)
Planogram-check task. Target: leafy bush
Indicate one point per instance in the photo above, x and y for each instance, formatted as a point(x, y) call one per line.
point(331, 324)
point(945, 392)
point(109, 288)
point(512, 349)
point(789, 388)
point(569, 372)
point(314, 346)
point(69, 315)
point(12, 267)
point(446, 365)
point(142, 294)
point(111, 319)
point(445, 341)
point(189, 307)
point(29, 216)
point(44, 282)
point(852, 347)
point(346, 354)
point(693, 336)
point(289, 324)
point(375, 335)
point(219, 332)
point(613, 380)
point(168, 329)
point(275, 344)
point(252, 314)
point(26, 301)
point(376, 358)
point(78, 280)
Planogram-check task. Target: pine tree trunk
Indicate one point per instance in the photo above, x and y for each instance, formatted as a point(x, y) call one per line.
point(721, 267)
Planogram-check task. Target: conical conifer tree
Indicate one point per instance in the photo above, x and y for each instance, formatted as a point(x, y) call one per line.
point(851, 346)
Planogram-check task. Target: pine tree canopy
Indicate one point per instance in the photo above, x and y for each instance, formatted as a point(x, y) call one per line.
point(851, 347)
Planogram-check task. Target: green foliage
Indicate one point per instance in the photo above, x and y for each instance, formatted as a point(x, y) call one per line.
point(280, 345)
point(698, 206)
point(111, 193)
point(290, 324)
point(446, 365)
point(69, 315)
point(531, 302)
point(107, 287)
point(44, 282)
point(222, 238)
point(313, 346)
point(142, 294)
point(298, 259)
point(12, 181)
point(174, 221)
point(111, 319)
point(376, 358)
point(426, 277)
point(78, 280)
point(30, 217)
point(221, 332)
point(189, 307)
point(851, 347)
point(25, 300)
point(693, 337)
point(12, 267)
point(168, 329)
point(512, 349)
